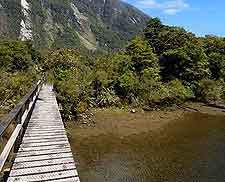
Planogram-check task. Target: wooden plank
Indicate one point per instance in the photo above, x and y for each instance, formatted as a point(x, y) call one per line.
point(42, 169)
point(43, 152)
point(42, 120)
point(24, 145)
point(49, 123)
point(53, 127)
point(43, 157)
point(49, 126)
point(44, 140)
point(48, 162)
point(52, 130)
point(44, 176)
point(40, 131)
point(74, 179)
point(45, 134)
point(46, 126)
point(30, 133)
point(44, 147)
point(49, 114)
point(44, 137)
point(45, 129)
point(52, 122)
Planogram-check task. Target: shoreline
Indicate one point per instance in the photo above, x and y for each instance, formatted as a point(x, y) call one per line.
point(124, 123)
point(89, 119)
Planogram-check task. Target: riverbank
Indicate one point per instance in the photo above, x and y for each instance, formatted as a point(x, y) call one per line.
point(122, 122)
point(132, 120)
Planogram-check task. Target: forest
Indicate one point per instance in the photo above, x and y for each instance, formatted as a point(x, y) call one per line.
point(161, 67)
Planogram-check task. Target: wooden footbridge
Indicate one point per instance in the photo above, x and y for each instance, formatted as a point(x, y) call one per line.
point(37, 147)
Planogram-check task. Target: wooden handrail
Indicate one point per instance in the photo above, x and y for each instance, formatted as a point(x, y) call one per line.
point(6, 120)
point(18, 114)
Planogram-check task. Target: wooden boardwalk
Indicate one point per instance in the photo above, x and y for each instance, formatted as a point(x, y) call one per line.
point(44, 154)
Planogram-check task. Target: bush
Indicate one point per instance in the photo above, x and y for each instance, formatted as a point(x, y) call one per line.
point(17, 56)
point(162, 95)
point(13, 86)
point(178, 93)
point(210, 91)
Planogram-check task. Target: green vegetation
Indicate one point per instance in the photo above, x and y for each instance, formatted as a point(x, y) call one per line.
point(18, 70)
point(161, 67)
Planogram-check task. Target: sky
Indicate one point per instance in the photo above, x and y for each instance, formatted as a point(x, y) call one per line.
point(202, 17)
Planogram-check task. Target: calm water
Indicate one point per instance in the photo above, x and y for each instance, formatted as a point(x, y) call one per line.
point(190, 149)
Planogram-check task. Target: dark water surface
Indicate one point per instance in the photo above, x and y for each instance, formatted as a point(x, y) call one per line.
point(191, 149)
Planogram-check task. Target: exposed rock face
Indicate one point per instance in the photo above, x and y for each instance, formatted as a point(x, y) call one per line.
point(26, 23)
point(71, 23)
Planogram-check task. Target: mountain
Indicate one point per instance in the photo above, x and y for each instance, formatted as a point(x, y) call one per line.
point(71, 23)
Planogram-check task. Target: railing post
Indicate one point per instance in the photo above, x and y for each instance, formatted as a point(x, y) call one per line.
point(18, 118)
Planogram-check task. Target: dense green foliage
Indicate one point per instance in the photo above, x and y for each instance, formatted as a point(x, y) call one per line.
point(163, 66)
point(18, 70)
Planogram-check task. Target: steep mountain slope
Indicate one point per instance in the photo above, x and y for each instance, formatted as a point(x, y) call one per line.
point(71, 23)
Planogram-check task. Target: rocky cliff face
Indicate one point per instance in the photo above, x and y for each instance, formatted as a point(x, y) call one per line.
point(71, 23)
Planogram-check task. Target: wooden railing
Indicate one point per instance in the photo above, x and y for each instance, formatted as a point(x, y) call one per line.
point(17, 117)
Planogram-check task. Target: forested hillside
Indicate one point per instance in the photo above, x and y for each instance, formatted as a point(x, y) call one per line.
point(104, 24)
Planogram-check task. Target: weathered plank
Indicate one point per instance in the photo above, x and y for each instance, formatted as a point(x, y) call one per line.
point(43, 152)
point(33, 130)
point(44, 176)
point(38, 138)
point(25, 145)
point(45, 147)
point(42, 169)
point(46, 124)
point(30, 133)
point(49, 162)
point(44, 140)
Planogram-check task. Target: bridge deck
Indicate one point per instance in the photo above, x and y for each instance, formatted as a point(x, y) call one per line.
point(44, 154)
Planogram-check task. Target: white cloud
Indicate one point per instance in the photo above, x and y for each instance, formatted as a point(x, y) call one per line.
point(170, 7)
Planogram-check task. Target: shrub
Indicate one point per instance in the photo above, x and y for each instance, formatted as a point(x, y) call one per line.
point(210, 90)
point(13, 86)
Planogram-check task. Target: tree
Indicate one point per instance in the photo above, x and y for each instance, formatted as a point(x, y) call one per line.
point(15, 56)
point(214, 44)
point(142, 56)
point(215, 49)
point(163, 38)
point(217, 66)
point(188, 63)
point(151, 33)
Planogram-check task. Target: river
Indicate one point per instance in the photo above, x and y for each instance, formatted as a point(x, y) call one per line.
point(187, 148)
